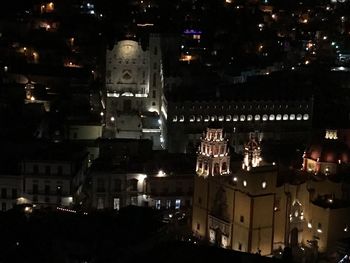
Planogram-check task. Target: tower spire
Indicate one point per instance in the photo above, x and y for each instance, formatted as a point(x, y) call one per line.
point(252, 152)
point(213, 156)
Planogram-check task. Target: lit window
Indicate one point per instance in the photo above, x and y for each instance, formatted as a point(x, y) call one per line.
point(175, 118)
point(191, 118)
point(177, 204)
point(299, 117)
point(213, 118)
point(245, 183)
point(157, 204)
point(235, 117)
point(306, 117)
point(265, 117)
point(272, 117)
point(199, 118)
point(278, 117)
point(221, 118)
point(257, 117)
point(182, 118)
point(242, 118)
point(263, 184)
point(292, 117)
point(228, 117)
point(249, 117)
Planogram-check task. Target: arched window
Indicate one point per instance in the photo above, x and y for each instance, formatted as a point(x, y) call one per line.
point(216, 169)
point(224, 167)
point(206, 118)
point(249, 117)
point(228, 117)
point(175, 118)
point(272, 117)
point(285, 117)
point(306, 117)
point(265, 117)
point(235, 117)
point(221, 117)
point(257, 117)
point(191, 118)
point(278, 117)
point(199, 118)
point(213, 118)
point(182, 118)
point(242, 118)
point(292, 117)
point(299, 117)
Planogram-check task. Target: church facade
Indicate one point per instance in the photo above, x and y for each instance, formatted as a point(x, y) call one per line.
point(252, 211)
point(135, 106)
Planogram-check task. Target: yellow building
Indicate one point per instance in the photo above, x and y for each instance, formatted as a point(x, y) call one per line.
point(249, 211)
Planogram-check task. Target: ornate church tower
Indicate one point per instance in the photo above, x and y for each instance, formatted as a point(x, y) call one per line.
point(213, 157)
point(251, 153)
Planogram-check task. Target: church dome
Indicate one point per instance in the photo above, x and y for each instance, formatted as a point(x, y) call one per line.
point(329, 151)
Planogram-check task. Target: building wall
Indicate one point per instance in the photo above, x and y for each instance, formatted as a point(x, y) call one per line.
point(243, 207)
point(277, 119)
point(85, 132)
point(51, 197)
point(30, 166)
point(57, 182)
point(320, 215)
point(262, 224)
point(129, 191)
point(281, 208)
point(11, 189)
point(200, 207)
point(339, 224)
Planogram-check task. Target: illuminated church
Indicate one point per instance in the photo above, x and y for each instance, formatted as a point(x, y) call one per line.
point(134, 91)
point(256, 211)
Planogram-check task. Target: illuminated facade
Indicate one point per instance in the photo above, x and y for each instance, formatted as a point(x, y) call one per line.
point(251, 153)
point(134, 88)
point(114, 190)
point(282, 119)
point(213, 158)
point(249, 211)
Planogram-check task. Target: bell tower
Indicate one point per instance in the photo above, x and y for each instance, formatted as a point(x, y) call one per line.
point(213, 156)
point(252, 151)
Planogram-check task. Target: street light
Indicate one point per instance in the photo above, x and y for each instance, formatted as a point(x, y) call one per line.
point(114, 124)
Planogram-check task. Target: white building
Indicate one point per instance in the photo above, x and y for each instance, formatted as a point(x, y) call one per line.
point(54, 176)
point(134, 89)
